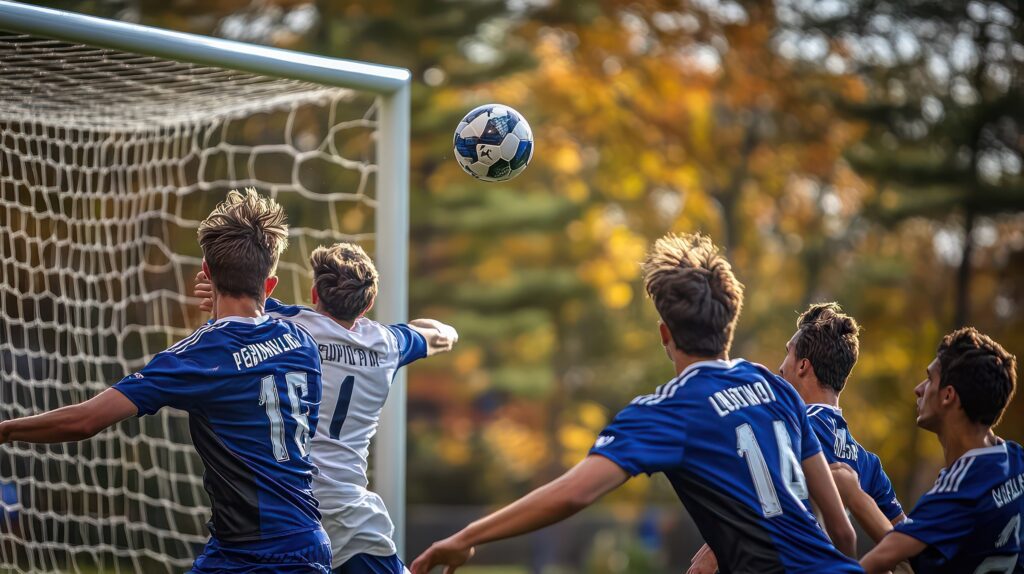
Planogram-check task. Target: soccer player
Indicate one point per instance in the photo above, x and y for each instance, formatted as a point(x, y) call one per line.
point(970, 521)
point(819, 359)
point(732, 438)
point(251, 387)
point(360, 358)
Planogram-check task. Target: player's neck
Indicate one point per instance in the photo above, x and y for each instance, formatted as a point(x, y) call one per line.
point(323, 311)
point(958, 437)
point(820, 395)
point(227, 306)
point(682, 360)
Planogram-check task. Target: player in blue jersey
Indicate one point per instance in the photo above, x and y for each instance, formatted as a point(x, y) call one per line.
point(819, 359)
point(970, 520)
point(251, 386)
point(732, 437)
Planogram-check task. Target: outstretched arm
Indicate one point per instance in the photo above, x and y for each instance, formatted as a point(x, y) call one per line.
point(824, 494)
point(440, 338)
point(893, 549)
point(71, 423)
point(578, 488)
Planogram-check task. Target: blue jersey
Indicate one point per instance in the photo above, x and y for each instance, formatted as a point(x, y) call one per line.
point(970, 519)
point(252, 390)
point(838, 445)
point(730, 436)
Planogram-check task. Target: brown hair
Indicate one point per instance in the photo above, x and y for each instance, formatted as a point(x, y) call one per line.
point(829, 339)
point(345, 279)
point(242, 240)
point(695, 292)
point(982, 372)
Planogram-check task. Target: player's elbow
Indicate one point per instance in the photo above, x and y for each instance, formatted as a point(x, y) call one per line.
point(844, 538)
point(81, 424)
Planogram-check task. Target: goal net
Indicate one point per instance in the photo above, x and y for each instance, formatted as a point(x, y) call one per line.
point(108, 162)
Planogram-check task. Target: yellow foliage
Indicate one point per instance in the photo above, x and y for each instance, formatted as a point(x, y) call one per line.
point(519, 448)
point(617, 295)
point(467, 359)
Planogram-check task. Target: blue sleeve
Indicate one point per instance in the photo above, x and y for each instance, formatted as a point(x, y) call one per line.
point(825, 435)
point(879, 487)
point(411, 345)
point(643, 439)
point(164, 382)
point(809, 445)
point(272, 305)
point(941, 520)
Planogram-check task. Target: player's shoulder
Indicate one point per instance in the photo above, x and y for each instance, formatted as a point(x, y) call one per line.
point(976, 471)
point(205, 335)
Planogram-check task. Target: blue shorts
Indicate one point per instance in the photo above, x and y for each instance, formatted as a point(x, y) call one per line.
point(305, 553)
point(370, 564)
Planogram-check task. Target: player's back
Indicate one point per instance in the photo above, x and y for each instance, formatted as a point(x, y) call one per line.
point(359, 366)
point(838, 445)
point(252, 391)
point(730, 436)
point(971, 517)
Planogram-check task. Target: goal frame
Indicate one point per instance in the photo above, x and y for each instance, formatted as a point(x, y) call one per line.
point(391, 84)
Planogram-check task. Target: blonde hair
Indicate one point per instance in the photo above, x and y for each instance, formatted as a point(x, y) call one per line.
point(345, 280)
point(242, 240)
point(695, 292)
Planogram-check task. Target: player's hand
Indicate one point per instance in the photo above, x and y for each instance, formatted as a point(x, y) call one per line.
point(204, 291)
point(703, 562)
point(448, 552)
point(846, 479)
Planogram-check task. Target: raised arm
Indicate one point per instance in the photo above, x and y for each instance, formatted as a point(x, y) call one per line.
point(824, 494)
point(864, 508)
point(578, 488)
point(71, 423)
point(440, 338)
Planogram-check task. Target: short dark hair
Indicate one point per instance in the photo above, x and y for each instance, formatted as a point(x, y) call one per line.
point(982, 372)
point(695, 292)
point(242, 240)
point(829, 339)
point(345, 279)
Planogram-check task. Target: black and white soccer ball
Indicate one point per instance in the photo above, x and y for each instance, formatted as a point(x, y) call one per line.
point(493, 143)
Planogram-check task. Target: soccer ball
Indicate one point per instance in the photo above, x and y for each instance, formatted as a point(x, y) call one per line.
point(493, 143)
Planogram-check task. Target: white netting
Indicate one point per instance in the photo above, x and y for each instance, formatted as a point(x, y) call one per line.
point(108, 161)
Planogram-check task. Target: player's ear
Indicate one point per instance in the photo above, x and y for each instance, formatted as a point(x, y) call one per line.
point(314, 295)
point(269, 285)
point(666, 335)
point(206, 271)
point(804, 367)
point(948, 396)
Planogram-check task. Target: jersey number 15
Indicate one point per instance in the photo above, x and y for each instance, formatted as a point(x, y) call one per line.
point(271, 401)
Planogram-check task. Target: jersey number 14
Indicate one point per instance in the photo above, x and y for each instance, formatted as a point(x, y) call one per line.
point(792, 473)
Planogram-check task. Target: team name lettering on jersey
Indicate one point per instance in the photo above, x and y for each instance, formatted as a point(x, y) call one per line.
point(1008, 491)
point(252, 355)
point(733, 399)
point(338, 353)
point(843, 448)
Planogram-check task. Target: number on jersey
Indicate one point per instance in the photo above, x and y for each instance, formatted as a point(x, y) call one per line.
point(792, 472)
point(271, 401)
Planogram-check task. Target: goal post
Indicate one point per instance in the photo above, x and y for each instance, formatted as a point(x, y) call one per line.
point(57, 325)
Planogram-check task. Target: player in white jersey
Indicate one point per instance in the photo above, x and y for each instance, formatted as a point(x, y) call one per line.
point(359, 359)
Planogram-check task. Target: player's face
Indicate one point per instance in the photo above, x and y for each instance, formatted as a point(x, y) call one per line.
point(927, 392)
point(788, 367)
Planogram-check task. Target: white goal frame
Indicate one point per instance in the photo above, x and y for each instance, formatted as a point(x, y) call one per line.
point(391, 235)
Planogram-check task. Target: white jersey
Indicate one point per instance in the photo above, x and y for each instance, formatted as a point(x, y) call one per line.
point(358, 366)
